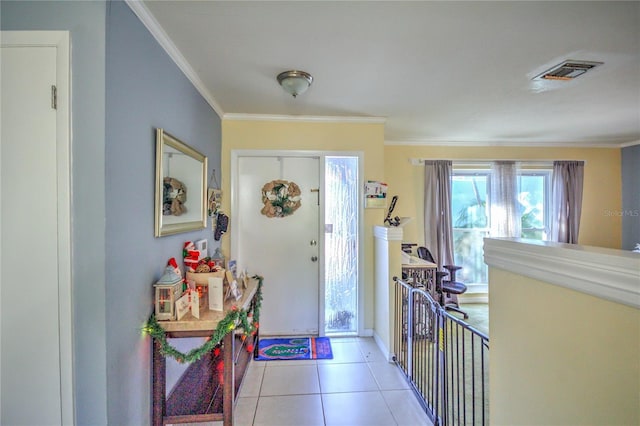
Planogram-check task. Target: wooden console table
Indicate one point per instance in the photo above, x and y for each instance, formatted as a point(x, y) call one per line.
point(202, 394)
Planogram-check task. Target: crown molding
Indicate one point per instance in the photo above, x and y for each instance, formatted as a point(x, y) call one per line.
point(154, 27)
point(632, 143)
point(606, 273)
point(304, 118)
point(505, 143)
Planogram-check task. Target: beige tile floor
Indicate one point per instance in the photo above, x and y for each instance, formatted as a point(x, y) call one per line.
point(358, 387)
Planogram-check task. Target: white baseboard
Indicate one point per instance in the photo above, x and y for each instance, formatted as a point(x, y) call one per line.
point(383, 348)
point(367, 332)
point(473, 298)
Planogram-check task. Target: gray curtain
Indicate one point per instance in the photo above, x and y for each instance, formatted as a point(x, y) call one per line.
point(505, 212)
point(438, 232)
point(566, 204)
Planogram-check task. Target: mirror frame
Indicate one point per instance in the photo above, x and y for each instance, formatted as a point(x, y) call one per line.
point(164, 140)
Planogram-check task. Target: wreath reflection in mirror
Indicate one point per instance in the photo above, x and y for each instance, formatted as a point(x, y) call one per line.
point(281, 198)
point(173, 198)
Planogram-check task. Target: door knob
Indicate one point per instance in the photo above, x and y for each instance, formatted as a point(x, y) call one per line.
point(314, 258)
point(313, 242)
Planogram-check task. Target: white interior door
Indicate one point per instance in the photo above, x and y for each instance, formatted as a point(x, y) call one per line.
point(284, 250)
point(35, 368)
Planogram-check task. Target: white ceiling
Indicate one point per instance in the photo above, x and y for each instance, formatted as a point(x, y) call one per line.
point(438, 72)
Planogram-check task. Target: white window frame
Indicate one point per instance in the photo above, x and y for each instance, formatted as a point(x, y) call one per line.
point(479, 170)
point(524, 169)
point(546, 174)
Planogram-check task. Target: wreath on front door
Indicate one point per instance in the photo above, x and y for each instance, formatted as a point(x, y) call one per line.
point(281, 198)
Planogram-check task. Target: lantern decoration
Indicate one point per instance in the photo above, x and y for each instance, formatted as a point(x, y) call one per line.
point(168, 290)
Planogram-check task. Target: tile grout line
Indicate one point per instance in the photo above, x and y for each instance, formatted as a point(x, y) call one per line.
point(379, 386)
point(389, 408)
point(324, 415)
point(255, 411)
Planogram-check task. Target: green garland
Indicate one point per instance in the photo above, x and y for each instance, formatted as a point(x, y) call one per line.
point(226, 325)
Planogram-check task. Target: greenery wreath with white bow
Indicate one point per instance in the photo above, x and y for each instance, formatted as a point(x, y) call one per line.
point(281, 198)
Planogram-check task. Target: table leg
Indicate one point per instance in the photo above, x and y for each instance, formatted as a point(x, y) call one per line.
point(228, 396)
point(159, 383)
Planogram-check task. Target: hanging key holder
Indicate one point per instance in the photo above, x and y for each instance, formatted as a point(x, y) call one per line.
point(214, 195)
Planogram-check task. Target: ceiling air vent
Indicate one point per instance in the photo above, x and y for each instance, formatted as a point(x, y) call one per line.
point(568, 70)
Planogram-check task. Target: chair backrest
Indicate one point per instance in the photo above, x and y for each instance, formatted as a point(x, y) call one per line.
point(425, 254)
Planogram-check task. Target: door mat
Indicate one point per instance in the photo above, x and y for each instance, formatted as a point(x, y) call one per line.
point(291, 348)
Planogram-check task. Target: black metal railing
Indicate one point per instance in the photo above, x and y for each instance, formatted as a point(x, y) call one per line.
point(445, 359)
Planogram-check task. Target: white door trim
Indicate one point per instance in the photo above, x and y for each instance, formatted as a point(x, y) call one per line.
point(61, 41)
point(236, 154)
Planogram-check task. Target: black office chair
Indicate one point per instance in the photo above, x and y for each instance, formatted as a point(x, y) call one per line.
point(424, 254)
point(448, 290)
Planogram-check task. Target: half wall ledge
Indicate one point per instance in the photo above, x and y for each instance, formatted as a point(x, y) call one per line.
point(610, 274)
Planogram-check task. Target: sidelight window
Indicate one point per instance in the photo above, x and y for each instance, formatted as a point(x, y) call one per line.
point(341, 245)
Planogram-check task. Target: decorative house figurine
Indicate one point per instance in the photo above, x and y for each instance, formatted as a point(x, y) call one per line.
point(218, 258)
point(168, 290)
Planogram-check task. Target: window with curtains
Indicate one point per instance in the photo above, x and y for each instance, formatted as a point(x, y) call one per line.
point(471, 214)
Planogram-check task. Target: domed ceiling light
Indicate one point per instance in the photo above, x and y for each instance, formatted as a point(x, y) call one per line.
point(295, 82)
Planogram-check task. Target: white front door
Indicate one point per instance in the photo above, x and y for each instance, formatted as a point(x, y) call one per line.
point(35, 311)
point(284, 250)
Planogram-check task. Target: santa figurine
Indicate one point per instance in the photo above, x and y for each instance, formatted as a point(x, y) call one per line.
point(191, 256)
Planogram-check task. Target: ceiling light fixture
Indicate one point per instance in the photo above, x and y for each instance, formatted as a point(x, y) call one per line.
point(295, 82)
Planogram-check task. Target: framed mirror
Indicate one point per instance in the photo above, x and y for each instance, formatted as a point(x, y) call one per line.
point(181, 180)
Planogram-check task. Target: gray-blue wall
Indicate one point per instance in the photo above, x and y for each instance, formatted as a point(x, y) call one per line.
point(630, 197)
point(145, 90)
point(124, 86)
point(86, 22)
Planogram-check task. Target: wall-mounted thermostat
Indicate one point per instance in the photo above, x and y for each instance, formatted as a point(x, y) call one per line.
point(201, 246)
